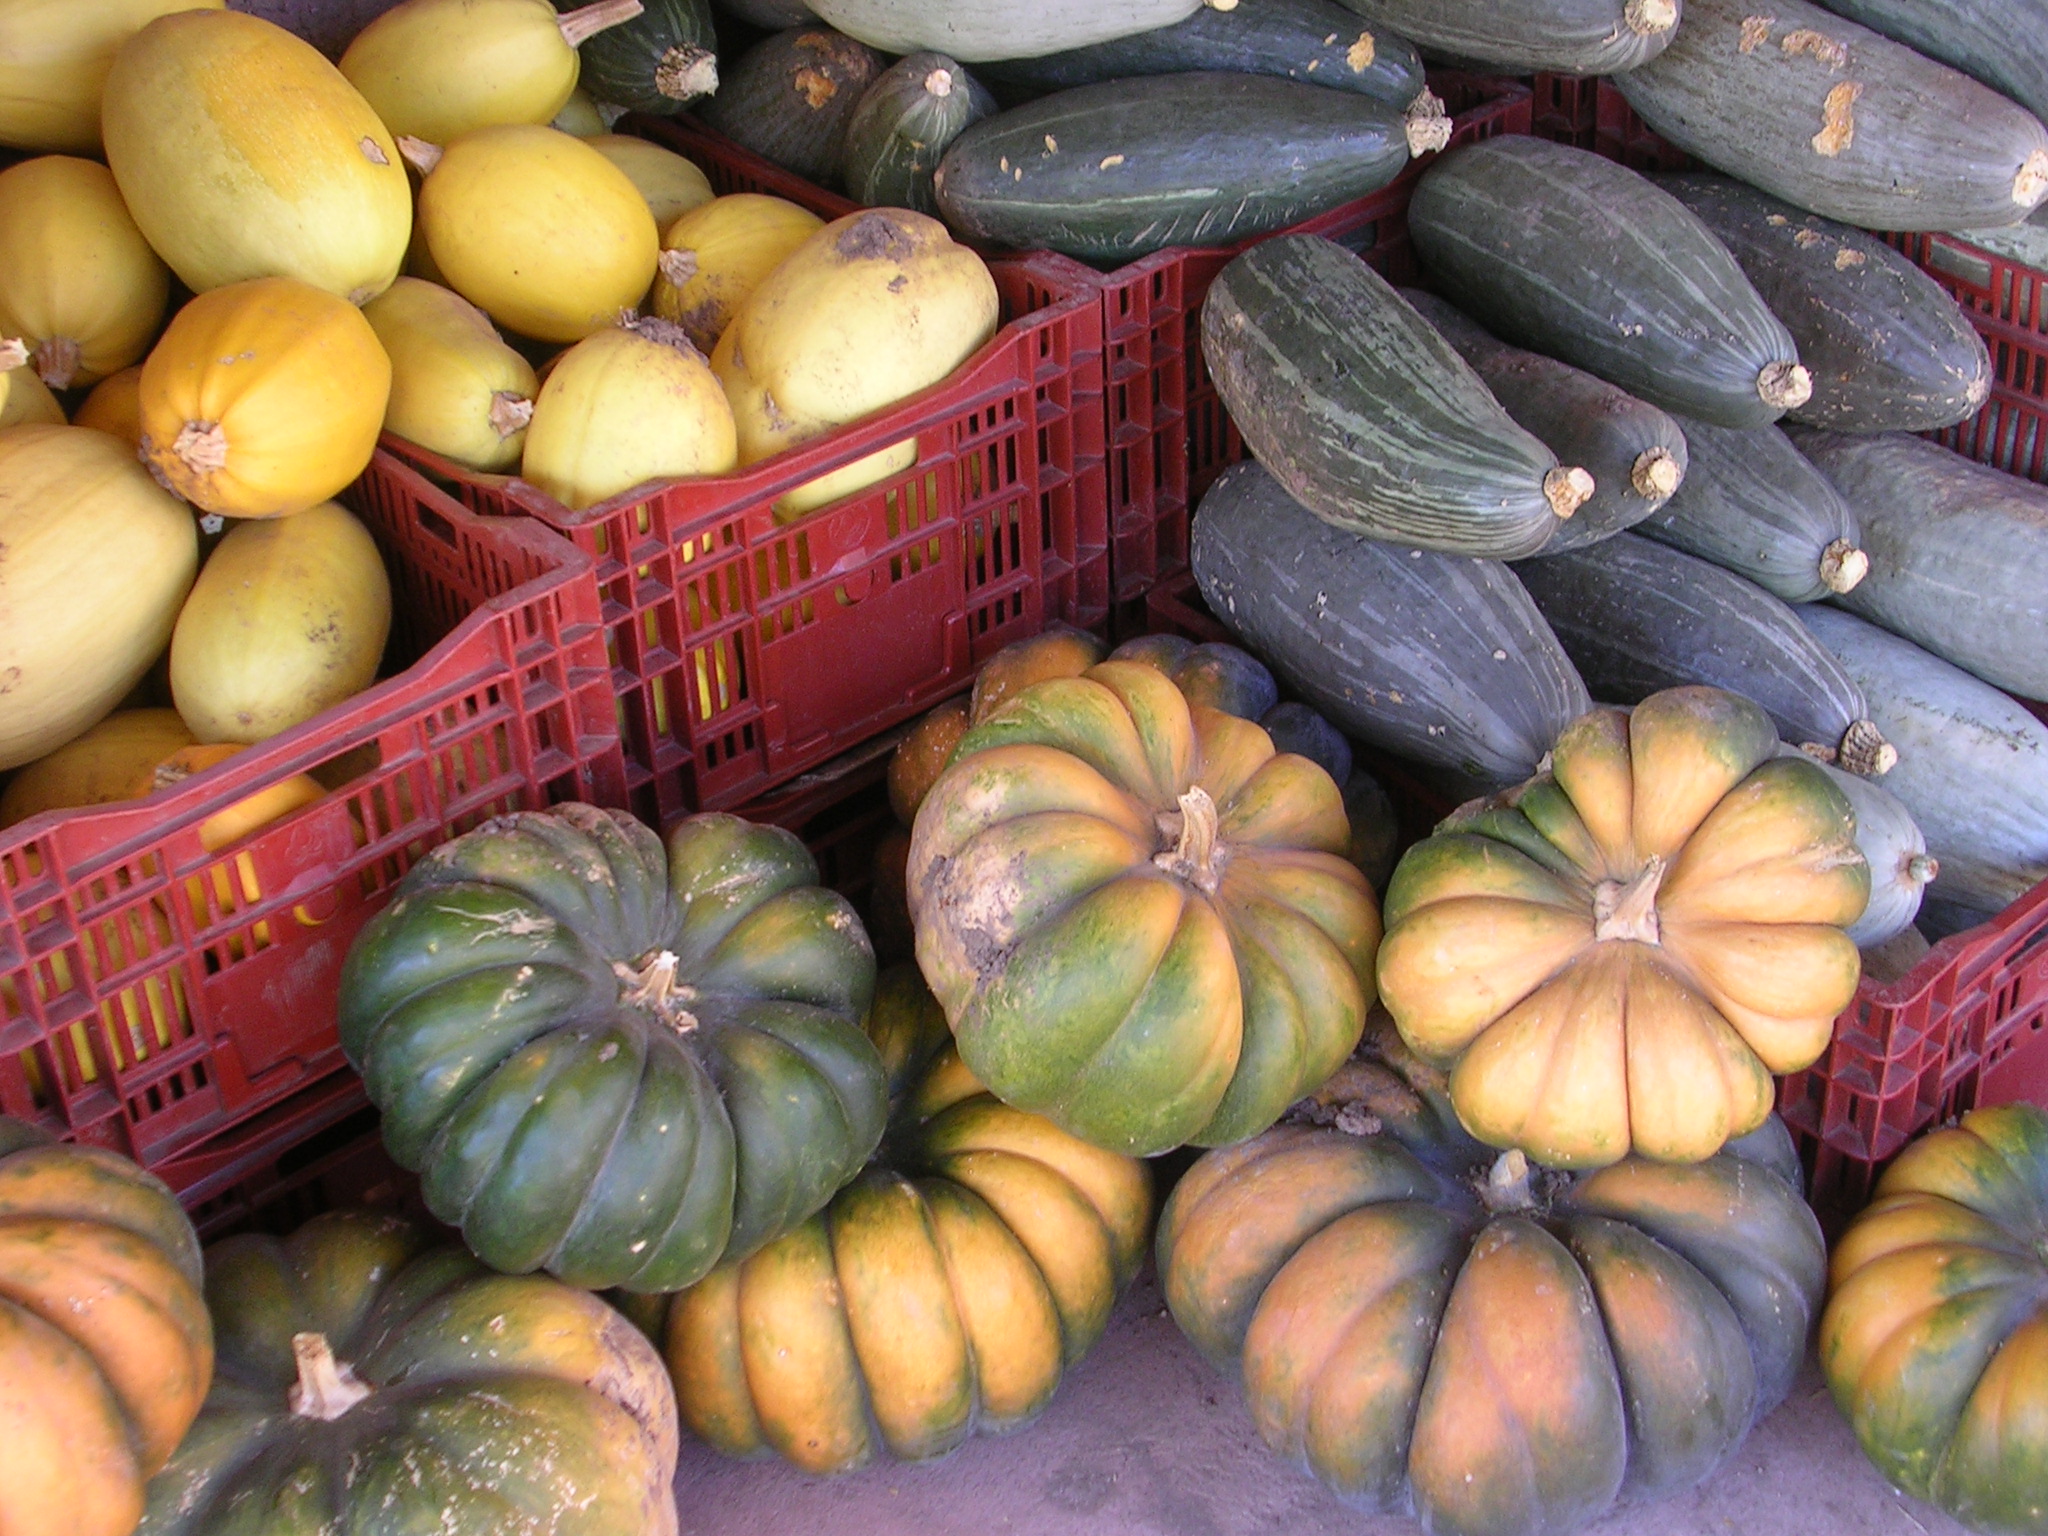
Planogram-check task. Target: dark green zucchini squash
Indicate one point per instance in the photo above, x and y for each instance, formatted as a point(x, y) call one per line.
point(660, 60)
point(1999, 42)
point(1634, 452)
point(790, 97)
point(1567, 37)
point(1958, 553)
point(1842, 122)
point(1894, 847)
point(618, 1057)
point(1887, 348)
point(1366, 415)
point(1973, 765)
point(1753, 504)
point(904, 125)
point(1637, 617)
point(1317, 42)
point(1112, 172)
point(1565, 253)
point(1434, 657)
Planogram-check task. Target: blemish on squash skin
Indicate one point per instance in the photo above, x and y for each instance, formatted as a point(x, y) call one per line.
point(1817, 45)
point(1756, 31)
point(1837, 120)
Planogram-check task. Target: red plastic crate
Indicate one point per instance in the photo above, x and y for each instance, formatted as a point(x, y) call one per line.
point(153, 996)
point(746, 651)
point(1168, 434)
point(1967, 1026)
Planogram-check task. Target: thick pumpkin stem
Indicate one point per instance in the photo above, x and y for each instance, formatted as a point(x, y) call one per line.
point(1842, 565)
point(687, 72)
point(653, 987)
point(1193, 856)
point(1629, 911)
point(1784, 386)
point(1427, 126)
point(201, 447)
point(326, 1389)
point(939, 83)
point(1864, 750)
point(1655, 474)
point(419, 154)
point(2032, 180)
point(1645, 17)
point(579, 26)
point(1567, 490)
point(1507, 1184)
point(510, 414)
point(57, 361)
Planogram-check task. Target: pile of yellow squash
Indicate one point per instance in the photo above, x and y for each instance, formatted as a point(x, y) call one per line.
point(436, 238)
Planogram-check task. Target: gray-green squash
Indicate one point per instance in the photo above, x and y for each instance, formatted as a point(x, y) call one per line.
point(657, 62)
point(1568, 37)
point(1835, 119)
point(1634, 452)
point(1887, 348)
point(790, 97)
point(1958, 552)
point(1566, 253)
point(974, 30)
point(905, 123)
point(1367, 416)
point(1437, 658)
point(1753, 504)
point(1893, 845)
point(1637, 617)
point(1999, 42)
point(1973, 765)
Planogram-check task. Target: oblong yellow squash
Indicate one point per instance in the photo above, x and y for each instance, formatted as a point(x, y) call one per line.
point(437, 69)
point(263, 398)
point(78, 282)
point(288, 618)
point(550, 238)
point(115, 406)
point(580, 116)
point(456, 388)
point(24, 399)
point(713, 256)
point(623, 407)
point(243, 153)
point(99, 558)
point(54, 58)
point(671, 185)
point(100, 766)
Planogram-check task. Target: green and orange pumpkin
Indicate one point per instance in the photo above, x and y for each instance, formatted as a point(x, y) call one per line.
point(616, 1058)
point(1935, 1338)
point(1137, 915)
point(1434, 1329)
point(1616, 955)
point(944, 1292)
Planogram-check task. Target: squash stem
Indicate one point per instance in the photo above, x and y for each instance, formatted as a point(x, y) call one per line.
point(1193, 856)
point(1865, 751)
point(510, 413)
point(419, 154)
point(1645, 17)
point(1507, 1183)
point(326, 1389)
point(13, 353)
point(579, 26)
point(1426, 125)
point(1842, 566)
point(57, 361)
point(1656, 474)
point(1922, 868)
point(653, 987)
point(1567, 490)
point(1629, 911)
point(1784, 386)
point(687, 72)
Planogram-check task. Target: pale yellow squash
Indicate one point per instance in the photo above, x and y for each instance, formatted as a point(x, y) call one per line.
point(764, 431)
point(115, 406)
point(714, 255)
point(99, 559)
point(78, 282)
point(54, 58)
point(623, 407)
point(671, 185)
point(551, 239)
point(24, 399)
point(243, 153)
point(456, 388)
point(581, 117)
point(263, 398)
point(100, 766)
point(437, 69)
point(288, 618)
point(870, 310)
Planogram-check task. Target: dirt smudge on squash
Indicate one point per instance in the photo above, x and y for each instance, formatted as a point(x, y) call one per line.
point(874, 237)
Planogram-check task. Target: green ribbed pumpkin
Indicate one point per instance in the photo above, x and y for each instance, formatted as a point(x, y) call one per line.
point(613, 1059)
point(658, 62)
